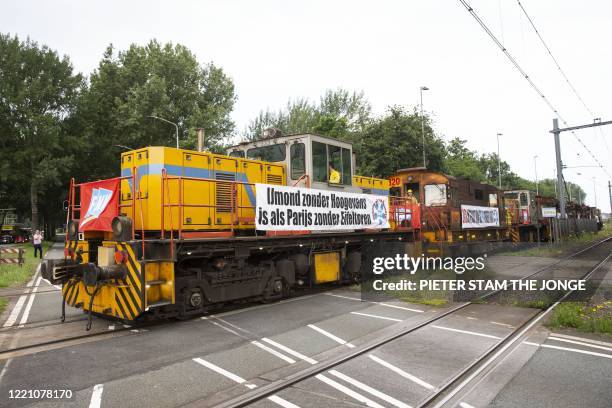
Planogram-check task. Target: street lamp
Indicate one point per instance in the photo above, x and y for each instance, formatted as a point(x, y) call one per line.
point(535, 167)
point(423, 88)
point(172, 123)
point(498, 161)
point(123, 147)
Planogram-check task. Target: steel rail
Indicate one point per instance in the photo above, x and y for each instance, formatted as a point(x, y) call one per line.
point(274, 387)
point(446, 392)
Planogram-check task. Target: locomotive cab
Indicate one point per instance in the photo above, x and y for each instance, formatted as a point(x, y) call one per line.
point(311, 161)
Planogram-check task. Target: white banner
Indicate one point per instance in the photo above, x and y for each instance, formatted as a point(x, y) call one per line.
point(282, 208)
point(549, 212)
point(473, 216)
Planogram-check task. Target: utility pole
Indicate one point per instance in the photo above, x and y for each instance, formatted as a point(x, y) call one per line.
point(498, 162)
point(610, 194)
point(556, 131)
point(423, 88)
point(560, 186)
point(535, 167)
point(594, 191)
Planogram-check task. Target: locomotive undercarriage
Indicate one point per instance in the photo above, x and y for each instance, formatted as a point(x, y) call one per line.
point(212, 273)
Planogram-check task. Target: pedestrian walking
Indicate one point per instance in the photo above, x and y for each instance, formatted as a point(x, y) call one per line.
point(37, 241)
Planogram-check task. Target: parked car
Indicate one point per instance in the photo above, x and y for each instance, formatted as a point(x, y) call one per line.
point(6, 239)
point(20, 239)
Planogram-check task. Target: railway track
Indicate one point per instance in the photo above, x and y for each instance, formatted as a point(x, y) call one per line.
point(450, 390)
point(121, 329)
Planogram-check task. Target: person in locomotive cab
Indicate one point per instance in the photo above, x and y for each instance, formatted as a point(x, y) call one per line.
point(334, 175)
point(411, 198)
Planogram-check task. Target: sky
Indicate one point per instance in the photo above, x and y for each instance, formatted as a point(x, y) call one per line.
point(280, 50)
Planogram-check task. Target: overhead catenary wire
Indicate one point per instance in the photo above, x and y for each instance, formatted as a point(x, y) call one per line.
point(556, 62)
point(514, 62)
point(554, 59)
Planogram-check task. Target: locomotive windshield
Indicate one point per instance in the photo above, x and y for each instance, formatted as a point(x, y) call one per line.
point(272, 153)
point(435, 194)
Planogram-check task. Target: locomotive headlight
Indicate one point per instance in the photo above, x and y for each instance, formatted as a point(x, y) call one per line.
point(73, 229)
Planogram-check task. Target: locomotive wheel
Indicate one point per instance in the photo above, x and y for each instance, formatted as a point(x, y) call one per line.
point(275, 290)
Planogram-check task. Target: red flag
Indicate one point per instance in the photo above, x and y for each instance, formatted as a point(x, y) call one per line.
point(99, 205)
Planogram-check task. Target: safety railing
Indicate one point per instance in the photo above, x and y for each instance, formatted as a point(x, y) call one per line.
point(234, 209)
point(404, 214)
point(433, 216)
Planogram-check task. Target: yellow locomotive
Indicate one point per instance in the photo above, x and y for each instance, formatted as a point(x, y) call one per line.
point(182, 235)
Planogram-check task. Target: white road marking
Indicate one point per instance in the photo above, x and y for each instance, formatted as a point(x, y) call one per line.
point(290, 351)
point(471, 318)
point(465, 405)
point(5, 368)
point(274, 398)
point(26, 311)
point(370, 390)
point(591, 353)
point(586, 340)
point(503, 324)
point(376, 316)
point(226, 328)
point(331, 336)
point(111, 327)
point(96, 396)
point(19, 305)
point(582, 343)
point(230, 324)
point(467, 332)
point(282, 402)
point(348, 391)
point(221, 371)
point(400, 307)
point(250, 309)
point(16, 311)
point(274, 352)
point(345, 297)
point(402, 372)
point(56, 286)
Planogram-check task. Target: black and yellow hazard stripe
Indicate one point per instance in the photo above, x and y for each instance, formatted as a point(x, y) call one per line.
point(70, 291)
point(129, 297)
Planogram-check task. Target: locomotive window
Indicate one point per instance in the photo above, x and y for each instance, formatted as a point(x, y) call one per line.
point(298, 160)
point(237, 153)
point(511, 196)
point(346, 167)
point(524, 201)
point(478, 194)
point(492, 200)
point(272, 153)
point(435, 194)
point(327, 159)
point(319, 161)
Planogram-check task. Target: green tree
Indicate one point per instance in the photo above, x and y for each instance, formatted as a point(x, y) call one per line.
point(37, 93)
point(461, 161)
point(339, 113)
point(394, 142)
point(161, 80)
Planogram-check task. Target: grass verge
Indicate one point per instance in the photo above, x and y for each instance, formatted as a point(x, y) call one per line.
point(15, 275)
point(564, 247)
point(583, 317)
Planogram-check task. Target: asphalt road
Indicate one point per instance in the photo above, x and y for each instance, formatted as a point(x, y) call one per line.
point(206, 360)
